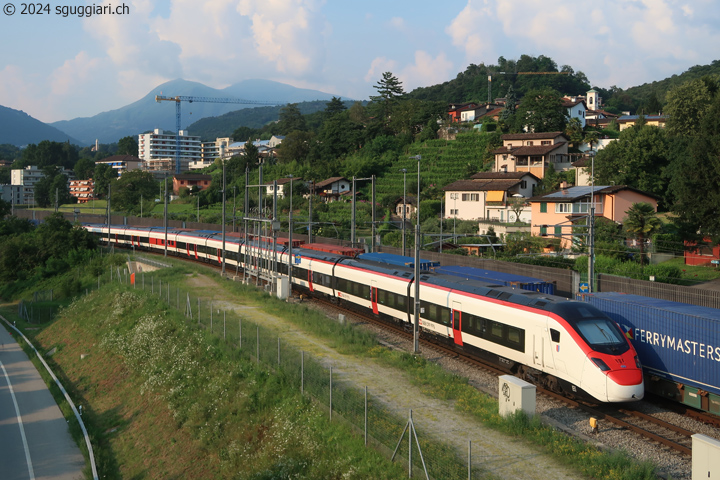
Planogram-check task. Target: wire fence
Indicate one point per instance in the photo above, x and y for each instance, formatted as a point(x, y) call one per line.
point(382, 427)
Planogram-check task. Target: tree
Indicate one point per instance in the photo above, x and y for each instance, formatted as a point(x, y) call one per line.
point(541, 111)
point(695, 177)
point(131, 187)
point(639, 158)
point(5, 208)
point(517, 205)
point(334, 106)
point(641, 222)
point(295, 147)
point(574, 132)
point(686, 106)
point(291, 119)
point(104, 174)
point(84, 168)
point(252, 154)
point(128, 146)
point(389, 91)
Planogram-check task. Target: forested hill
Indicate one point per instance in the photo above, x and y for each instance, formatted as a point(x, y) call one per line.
point(523, 75)
point(211, 128)
point(651, 96)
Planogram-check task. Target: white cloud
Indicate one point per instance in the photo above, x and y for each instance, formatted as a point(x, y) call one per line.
point(398, 23)
point(377, 67)
point(627, 42)
point(426, 71)
point(73, 74)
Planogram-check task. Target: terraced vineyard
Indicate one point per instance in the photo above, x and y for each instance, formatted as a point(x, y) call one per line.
point(443, 162)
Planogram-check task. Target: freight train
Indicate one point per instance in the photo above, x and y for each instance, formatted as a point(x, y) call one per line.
point(565, 345)
point(679, 345)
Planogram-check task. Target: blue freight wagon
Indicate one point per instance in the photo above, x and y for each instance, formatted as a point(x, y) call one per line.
point(397, 260)
point(499, 278)
point(678, 345)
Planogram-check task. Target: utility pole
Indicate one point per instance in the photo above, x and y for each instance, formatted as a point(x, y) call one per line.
point(416, 326)
point(166, 219)
point(352, 216)
point(310, 222)
point(404, 207)
point(372, 242)
point(223, 220)
point(290, 241)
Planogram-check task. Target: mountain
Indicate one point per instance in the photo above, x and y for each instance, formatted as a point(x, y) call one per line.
point(18, 128)
point(147, 114)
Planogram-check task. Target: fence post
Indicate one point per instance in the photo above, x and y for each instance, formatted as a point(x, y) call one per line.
point(469, 459)
point(302, 372)
point(257, 350)
point(160, 287)
point(240, 333)
point(410, 423)
point(198, 310)
point(331, 394)
point(366, 409)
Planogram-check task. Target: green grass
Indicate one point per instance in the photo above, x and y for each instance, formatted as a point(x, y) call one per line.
point(694, 273)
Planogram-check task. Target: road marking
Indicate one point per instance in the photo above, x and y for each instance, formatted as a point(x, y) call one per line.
point(20, 423)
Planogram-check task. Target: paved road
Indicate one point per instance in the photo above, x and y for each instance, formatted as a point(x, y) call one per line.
point(34, 438)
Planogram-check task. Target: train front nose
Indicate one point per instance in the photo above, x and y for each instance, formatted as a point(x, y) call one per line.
point(625, 385)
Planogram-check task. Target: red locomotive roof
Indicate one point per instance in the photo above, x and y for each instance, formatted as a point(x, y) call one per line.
point(336, 249)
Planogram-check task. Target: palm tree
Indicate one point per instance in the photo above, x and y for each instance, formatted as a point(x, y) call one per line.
point(641, 222)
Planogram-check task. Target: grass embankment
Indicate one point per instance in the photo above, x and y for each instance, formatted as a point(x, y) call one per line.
point(163, 400)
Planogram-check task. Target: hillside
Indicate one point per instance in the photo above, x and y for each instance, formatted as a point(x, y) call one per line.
point(211, 128)
point(147, 114)
point(19, 129)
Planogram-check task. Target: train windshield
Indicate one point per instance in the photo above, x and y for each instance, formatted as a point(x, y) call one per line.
point(600, 333)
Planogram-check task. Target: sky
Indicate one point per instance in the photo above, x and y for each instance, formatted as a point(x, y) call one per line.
point(61, 65)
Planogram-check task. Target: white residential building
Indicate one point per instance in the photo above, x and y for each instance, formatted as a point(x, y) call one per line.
point(23, 183)
point(159, 145)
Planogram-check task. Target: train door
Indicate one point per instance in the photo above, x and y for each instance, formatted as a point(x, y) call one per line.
point(538, 348)
point(457, 323)
point(187, 249)
point(219, 255)
point(195, 250)
point(374, 296)
point(310, 277)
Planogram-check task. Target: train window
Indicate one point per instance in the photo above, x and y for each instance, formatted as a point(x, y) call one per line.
point(181, 245)
point(382, 297)
point(554, 335)
point(513, 334)
point(496, 329)
point(444, 316)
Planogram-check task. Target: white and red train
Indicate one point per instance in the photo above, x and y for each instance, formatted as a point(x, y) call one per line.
point(565, 345)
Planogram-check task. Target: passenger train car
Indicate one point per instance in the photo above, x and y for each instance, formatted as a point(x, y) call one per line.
point(567, 346)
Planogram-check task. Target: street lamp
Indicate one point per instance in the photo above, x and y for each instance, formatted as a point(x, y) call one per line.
point(404, 171)
point(416, 327)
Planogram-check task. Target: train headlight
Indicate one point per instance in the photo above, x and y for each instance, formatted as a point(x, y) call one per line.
point(637, 362)
point(600, 364)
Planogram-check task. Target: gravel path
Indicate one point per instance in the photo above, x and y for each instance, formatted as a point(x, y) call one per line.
point(502, 456)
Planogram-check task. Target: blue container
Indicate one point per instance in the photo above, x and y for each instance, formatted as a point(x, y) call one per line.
point(397, 260)
point(675, 341)
point(499, 278)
